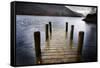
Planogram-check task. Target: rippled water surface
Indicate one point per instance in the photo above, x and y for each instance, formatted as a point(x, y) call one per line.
point(27, 25)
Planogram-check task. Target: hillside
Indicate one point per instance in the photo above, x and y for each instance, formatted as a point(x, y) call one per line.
point(45, 10)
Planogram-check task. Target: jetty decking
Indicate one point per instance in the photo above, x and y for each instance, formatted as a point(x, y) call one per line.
point(58, 49)
point(59, 46)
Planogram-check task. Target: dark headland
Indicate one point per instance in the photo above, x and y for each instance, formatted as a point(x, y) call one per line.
point(91, 18)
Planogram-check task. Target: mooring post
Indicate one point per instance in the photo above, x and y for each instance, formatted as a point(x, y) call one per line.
point(80, 42)
point(46, 32)
point(66, 26)
point(37, 47)
point(72, 31)
point(50, 27)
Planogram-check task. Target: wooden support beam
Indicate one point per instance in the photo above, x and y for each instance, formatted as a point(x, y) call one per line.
point(72, 32)
point(80, 42)
point(66, 26)
point(50, 27)
point(37, 41)
point(46, 32)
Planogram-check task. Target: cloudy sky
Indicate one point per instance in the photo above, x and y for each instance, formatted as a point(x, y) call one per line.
point(83, 10)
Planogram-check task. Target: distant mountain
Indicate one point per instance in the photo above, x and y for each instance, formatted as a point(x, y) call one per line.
point(45, 10)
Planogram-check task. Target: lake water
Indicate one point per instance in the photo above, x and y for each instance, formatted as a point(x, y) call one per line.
point(27, 25)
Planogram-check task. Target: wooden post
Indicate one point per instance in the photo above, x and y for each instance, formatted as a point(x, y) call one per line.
point(50, 27)
point(37, 47)
point(46, 32)
point(80, 42)
point(66, 27)
point(72, 31)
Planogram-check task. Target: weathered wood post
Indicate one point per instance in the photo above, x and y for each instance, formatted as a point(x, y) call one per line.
point(80, 42)
point(66, 26)
point(46, 32)
point(50, 28)
point(72, 31)
point(37, 47)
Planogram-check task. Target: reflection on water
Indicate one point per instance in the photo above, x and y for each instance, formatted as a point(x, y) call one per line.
point(71, 44)
point(27, 25)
